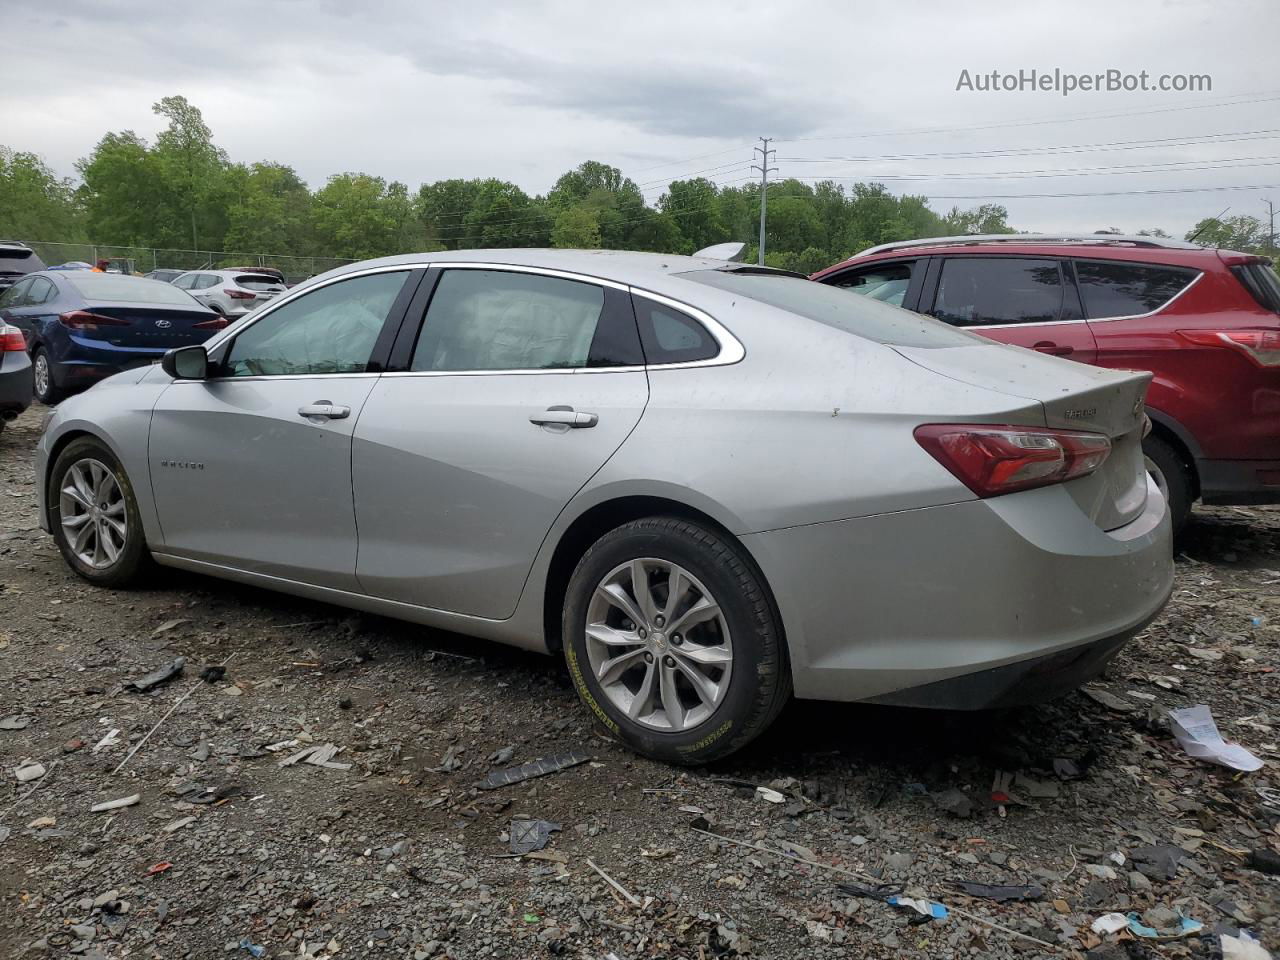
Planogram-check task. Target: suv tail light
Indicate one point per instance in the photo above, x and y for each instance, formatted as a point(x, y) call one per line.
point(994, 460)
point(213, 323)
point(239, 294)
point(1260, 346)
point(11, 339)
point(84, 320)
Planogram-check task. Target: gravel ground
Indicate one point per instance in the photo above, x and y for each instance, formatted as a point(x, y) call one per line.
point(400, 855)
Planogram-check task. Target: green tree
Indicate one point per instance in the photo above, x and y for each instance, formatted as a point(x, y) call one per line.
point(353, 217)
point(503, 215)
point(576, 227)
point(691, 204)
point(987, 218)
point(120, 196)
point(34, 203)
point(443, 207)
point(191, 167)
point(269, 211)
point(1242, 233)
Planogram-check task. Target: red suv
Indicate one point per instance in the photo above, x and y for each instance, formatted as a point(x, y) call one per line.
point(1205, 322)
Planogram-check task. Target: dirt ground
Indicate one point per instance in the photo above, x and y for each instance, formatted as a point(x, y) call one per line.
point(228, 853)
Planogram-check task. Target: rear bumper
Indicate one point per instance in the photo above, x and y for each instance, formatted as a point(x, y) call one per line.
point(1239, 481)
point(80, 362)
point(16, 384)
point(968, 605)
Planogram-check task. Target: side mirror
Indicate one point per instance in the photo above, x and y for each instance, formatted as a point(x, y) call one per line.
point(186, 363)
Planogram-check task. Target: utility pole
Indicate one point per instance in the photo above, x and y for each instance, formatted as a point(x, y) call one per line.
point(1271, 226)
point(765, 170)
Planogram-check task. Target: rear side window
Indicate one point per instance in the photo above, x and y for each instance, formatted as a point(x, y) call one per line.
point(986, 291)
point(670, 335)
point(509, 320)
point(885, 282)
point(1261, 281)
point(1111, 288)
point(40, 291)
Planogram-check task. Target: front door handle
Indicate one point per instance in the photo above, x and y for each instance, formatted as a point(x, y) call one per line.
point(325, 409)
point(564, 416)
point(1057, 350)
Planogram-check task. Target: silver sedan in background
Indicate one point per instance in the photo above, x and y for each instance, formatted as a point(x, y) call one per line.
point(707, 485)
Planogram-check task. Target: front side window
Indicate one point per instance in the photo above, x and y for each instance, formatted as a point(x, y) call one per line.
point(330, 330)
point(984, 291)
point(886, 282)
point(504, 320)
point(1113, 288)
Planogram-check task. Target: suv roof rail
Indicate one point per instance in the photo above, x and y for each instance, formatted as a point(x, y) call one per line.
point(980, 238)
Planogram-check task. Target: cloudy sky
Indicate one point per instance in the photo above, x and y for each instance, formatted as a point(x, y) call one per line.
point(419, 91)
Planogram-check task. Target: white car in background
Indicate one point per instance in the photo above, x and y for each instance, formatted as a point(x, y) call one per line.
point(232, 293)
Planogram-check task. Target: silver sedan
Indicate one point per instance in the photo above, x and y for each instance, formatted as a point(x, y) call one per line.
point(708, 486)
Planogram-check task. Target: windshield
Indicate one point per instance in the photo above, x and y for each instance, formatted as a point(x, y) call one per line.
point(837, 308)
point(117, 286)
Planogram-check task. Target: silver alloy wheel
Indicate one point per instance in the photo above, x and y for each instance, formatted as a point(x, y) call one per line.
point(94, 518)
point(658, 644)
point(42, 375)
point(1162, 484)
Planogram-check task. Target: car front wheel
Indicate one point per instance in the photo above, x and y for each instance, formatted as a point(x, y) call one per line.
point(94, 515)
point(672, 642)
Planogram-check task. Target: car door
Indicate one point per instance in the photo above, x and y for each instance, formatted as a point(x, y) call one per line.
point(1026, 301)
point(251, 467)
point(519, 385)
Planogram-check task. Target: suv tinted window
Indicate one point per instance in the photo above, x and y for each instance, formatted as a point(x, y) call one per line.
point(671, 336)
point(1112, 288)
point(504, 320)
point(1262, 283)
point(330, 330)
point(980, 291)
point(886, 282)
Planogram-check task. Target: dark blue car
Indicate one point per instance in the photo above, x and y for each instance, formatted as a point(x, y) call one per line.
point(81, 326)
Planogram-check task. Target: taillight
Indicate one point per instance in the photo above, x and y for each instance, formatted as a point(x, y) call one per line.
point(239, 294)
point(993, 460)
point(84, 320)
point(11, 339)
point(1260, 346)
point(213, 323)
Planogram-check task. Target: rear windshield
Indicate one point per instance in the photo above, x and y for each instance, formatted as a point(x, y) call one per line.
point(15, 261)
point(119, 287)
point(838, 308)
point(1261, 281)
point(256, 281)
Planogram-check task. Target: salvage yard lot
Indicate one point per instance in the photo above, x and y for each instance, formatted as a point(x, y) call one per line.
point(401, 856)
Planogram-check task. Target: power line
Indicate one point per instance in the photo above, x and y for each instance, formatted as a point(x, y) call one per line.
point(1268, 97)
point(1103, 193)
point(1117, 171)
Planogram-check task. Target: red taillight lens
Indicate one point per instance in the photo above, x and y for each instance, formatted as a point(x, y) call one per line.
point(214, 323)
point(993, 460)
point(11, 339)
point(84, 320)
point(239, 294)
point(1260, 346)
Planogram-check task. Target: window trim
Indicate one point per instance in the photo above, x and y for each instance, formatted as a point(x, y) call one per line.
point(731, 349)
point(1135, 263)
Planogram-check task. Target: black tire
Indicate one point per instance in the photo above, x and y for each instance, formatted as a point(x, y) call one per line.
point(134, 559)
point(1173, 475)
point(759, 682)
point(51, 393)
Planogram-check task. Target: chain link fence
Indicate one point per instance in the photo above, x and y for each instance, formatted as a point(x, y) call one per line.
point(145, 259)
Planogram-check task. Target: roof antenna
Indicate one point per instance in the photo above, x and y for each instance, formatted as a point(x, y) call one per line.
point(1192, 238)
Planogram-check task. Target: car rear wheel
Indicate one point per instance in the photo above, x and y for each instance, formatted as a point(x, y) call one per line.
point(94, 515)
point(1173, 476)
point(46, 390)
point(672, 642)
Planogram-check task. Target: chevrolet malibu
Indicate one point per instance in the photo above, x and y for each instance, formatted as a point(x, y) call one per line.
point(708, 486)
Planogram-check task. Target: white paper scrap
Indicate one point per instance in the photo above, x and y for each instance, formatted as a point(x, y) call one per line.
point(1195, 730)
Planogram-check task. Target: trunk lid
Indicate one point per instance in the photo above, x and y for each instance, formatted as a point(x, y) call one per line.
point(149, 328)
point(1072, 396)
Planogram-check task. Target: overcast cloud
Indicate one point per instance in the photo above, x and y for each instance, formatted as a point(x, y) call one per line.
point(419, 91)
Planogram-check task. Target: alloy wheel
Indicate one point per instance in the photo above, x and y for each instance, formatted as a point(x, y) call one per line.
point(658, 644)
point(94, 517)
point(42, 375)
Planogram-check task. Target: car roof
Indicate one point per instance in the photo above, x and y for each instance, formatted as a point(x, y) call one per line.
point(655, 271)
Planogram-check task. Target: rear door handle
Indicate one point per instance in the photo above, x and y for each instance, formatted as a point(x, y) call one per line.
point(565, 416)
point(325, 409)
point(1058, 350)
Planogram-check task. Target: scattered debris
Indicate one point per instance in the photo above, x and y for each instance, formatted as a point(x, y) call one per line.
point(926, 908)
point(879, 891)
point(317, 755)
point(630, 898)
point(158, 868)
point(167, 626)
point(502, 756)
point(28, 771)
point(537, 768)
point(213, 673)
point(1265, 861)
point(1195, 729)
point(1109, 700)
point(115, 804)
point(1109, 923)
point(110, 740)
point(770, 796)
point(529, 835)
point(158, 676)
point(15, 722)
point(179, 824)
point(1000, 892)
point(955, 802)
point(1243, 947)
point(254, 949)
